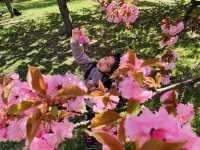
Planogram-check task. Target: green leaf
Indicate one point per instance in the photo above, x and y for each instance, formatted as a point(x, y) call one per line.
point(133, 107)
point(16, 109)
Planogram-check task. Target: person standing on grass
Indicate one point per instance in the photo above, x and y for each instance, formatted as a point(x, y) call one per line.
point(93, 71)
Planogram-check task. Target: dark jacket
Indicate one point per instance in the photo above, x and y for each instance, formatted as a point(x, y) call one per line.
point(91, 73)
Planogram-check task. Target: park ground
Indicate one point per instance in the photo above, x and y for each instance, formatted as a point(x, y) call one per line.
point(36, 38)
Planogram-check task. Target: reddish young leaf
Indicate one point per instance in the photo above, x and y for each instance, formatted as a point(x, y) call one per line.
point(131, 57)
point(104, 118)
point(33, 124)
point(70, 91)
point(63, 114)
point(6, 92)
point(158, 80)
point(114, 91)
point(151, 82)
point(139, 77)
point(171, 103)
point(106, 100)
point(160, 145)
point(121, 130)
point(35, 79)
point(151, 62)
point(109, 140)
point(120, 71)
point(96, 93)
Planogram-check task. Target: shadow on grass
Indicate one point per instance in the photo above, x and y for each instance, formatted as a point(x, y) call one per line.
point(42, 44)
point(27, 4)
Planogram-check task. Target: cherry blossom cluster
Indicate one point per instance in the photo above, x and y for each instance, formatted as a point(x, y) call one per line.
point(136, 75)
point(38, 110)
point(120, 12)
point(163, 127)
point(168, 127)
point(170, 32)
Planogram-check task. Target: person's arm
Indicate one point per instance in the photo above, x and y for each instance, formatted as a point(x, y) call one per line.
point(80, 56)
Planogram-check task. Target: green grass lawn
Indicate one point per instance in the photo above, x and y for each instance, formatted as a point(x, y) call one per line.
point(37, 38)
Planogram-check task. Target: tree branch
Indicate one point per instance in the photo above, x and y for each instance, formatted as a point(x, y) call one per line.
point(193, 5)
point(188, 82)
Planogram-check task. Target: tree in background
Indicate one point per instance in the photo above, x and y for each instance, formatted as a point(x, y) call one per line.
point(13, 11)
point(9, 6)
point(62, 4)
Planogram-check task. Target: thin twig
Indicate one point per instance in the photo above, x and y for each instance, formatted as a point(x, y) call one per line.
point(188, 82)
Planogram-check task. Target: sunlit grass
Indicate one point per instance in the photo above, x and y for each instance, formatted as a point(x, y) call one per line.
point(36, 38)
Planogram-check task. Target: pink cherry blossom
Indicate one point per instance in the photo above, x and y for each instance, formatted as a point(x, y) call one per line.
point(185, 112)
point(14, 76)
point(16, 130)
point(193, 141)
point(160, 126)
point(176, 29)
point(56, 82)
point(132, 90)
point(166, 96)
point(165, 79)
point(49, 136)
point(77, 105)
point(136, 66)
point(169, 42)
point(121, 13)
point(111, 8)
point(63, 129)
point(134, 14)
point(124, 59)
point(175, 55)
point(99, 105)
point(173, 30)
point(158, 134)
point(41, 144)
point(3, 134)
point(165, 28)
point(19, 91)
point(117, 18)
point(170, 65)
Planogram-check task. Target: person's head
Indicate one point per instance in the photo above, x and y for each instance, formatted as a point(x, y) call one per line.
point(108, 64)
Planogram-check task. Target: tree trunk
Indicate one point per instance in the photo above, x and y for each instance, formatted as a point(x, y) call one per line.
point(193, 5)
point(66, 17)
point(10, 9)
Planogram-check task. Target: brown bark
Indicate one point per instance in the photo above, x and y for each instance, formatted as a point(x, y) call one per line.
point(190, 9)
point(10, 9)
point(64, 11)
